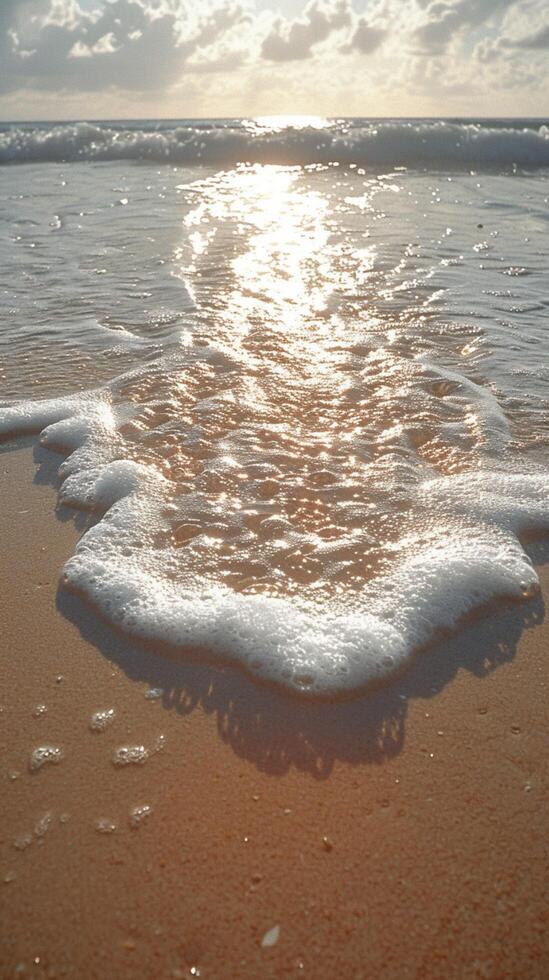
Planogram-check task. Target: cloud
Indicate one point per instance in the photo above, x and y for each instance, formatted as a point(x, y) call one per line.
point(523, 39)
point(444, 19)
point(216, 59)
point(239, 57)
point(139, 45)
point(367, 38)
point(293, 41)
point(538, 41)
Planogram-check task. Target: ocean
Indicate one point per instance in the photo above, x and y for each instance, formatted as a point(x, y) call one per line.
point(298, 375)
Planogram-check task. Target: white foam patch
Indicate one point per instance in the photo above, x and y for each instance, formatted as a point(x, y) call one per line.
point(471, 557)
point(102, 486)
point(30, 417)
point(318, 654)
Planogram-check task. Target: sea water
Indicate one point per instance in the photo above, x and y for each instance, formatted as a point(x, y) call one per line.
point(298, 373)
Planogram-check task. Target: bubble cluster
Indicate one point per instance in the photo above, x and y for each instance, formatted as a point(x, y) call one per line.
point(140, 813)
point(127, 755)
point(45, 755)
point(100, 720)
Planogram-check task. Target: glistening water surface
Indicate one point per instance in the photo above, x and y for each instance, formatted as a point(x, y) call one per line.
point(310, 402)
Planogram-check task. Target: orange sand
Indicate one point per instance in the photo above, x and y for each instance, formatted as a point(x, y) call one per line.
point(402, 835)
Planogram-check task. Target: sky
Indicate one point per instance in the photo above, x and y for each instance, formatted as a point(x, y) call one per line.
point(101, 59)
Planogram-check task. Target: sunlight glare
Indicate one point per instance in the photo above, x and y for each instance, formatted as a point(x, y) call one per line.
point(278, 123)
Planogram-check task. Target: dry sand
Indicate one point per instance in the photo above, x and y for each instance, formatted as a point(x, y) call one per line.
point(402, 835)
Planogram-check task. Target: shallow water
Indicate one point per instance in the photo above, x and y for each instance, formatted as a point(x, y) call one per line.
point(311, 400)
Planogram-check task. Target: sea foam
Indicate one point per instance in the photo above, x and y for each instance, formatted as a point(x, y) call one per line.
point(469, 555)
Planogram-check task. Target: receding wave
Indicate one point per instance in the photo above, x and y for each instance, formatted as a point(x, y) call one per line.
point(306, 410)
point(437, 144)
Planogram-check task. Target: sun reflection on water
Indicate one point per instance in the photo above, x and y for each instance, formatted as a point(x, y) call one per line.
point(281, 268)
point(301, 420)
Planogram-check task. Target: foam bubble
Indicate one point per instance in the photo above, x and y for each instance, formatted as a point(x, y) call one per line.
point(100, 720)
point(271, 937)
point(140, 813)
point(45, 755)
point(42, 825)
point(154, 693)
point(104, 825)
point(41, 828)
point(127, 755)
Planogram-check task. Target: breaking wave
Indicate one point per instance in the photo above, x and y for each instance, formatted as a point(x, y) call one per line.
point(397, 143)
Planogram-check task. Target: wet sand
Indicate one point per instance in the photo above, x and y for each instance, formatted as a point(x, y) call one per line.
point(400, 835)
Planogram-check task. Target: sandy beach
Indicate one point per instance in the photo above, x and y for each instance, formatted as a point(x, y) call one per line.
point(274, 498)
point(403, 834)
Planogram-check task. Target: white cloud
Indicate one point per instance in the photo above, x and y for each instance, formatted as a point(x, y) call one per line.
point(128, 44)
point(518, 54)
point(172, 57)
point(537, 41)
point(445, 19)
point(292, 41)
point(105, 45)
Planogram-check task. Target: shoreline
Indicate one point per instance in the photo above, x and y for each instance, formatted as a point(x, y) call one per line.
point(399, 834)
